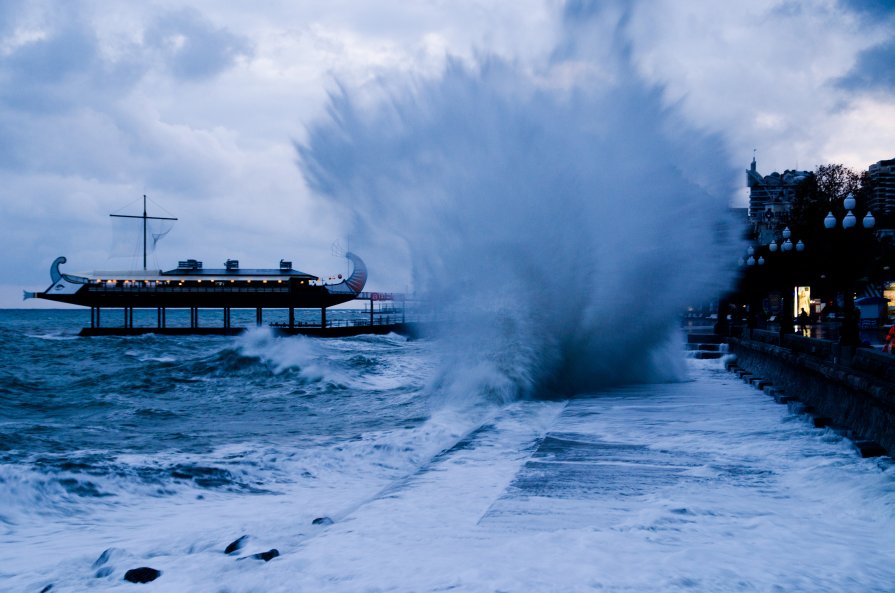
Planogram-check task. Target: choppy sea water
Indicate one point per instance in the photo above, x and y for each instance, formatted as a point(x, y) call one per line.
point(117, 453)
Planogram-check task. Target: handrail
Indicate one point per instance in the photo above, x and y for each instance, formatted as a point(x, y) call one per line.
point(228, 289)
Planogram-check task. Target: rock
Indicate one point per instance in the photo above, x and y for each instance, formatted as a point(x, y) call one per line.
point(322, 521)
point(104, 572)
point(47, 588)
point(144, 574)
point(268, 555)
point(869, 449)
point(236, 545)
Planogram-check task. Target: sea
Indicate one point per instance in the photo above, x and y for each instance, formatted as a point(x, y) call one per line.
point(156, 451)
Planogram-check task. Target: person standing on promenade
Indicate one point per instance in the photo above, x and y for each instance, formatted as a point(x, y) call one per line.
point(890, 338)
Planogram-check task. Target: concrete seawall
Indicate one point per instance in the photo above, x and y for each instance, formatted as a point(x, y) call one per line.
point(853, 389)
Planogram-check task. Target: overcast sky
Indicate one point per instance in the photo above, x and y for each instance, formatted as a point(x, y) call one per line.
point(200, 105)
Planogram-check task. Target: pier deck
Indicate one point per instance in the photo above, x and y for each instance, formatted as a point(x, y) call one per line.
point(331, 331)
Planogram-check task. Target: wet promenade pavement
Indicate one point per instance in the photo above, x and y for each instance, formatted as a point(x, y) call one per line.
point(706, 485)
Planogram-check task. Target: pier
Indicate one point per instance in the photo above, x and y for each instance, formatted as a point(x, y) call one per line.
point(383, 313)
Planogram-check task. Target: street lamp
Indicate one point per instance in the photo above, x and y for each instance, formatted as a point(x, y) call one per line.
point(778, 273)
point(849, 334)
point(849, 220)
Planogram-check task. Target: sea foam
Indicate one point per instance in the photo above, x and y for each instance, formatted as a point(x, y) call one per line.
point(562, 227)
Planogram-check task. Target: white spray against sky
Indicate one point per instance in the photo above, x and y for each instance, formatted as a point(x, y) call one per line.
point(564, 217)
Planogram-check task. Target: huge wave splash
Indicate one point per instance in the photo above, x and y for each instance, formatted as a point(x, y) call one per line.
point(564, 227)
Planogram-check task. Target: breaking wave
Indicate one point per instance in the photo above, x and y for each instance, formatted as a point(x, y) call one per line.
point(562, 226)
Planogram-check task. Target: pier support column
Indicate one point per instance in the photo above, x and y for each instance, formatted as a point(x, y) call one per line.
point(160, 317)
point(194, 317)
point(291, 317)
point(226, 317)
point(92, 317)
point(323, 317)
point(258, 317)
point(371, 312)
point(97, 317)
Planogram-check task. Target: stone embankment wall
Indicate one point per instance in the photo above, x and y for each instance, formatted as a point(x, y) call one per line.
point(854, 388)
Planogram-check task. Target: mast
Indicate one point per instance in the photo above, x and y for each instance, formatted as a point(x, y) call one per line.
point(145, 218)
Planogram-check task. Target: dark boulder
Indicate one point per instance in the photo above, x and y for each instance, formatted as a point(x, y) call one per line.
point(47, 588)
point(322, 521)
point(144, 574)
point(268, 555)
point(236, 545)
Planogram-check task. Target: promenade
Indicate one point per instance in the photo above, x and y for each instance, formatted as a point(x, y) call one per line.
point(706, 485)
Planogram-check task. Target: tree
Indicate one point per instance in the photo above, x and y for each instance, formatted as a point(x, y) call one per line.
point(834, 182)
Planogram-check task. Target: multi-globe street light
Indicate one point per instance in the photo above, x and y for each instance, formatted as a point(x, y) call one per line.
point(849, 220)
point(776, 277)
point(846, 256)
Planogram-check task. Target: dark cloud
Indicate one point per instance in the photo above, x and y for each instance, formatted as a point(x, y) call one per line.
point(874, 9)
point(193, 48)
point(61, 67)
point(39, 75)
point(874, 70)
point(52, 59)
point(64, 68)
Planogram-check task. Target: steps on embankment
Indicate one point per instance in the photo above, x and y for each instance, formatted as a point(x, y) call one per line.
point(705, 346)
point(851, 391)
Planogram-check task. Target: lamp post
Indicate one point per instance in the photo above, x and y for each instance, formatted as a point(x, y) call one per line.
point(772, 268)
point(849, 333)
point(786, 273)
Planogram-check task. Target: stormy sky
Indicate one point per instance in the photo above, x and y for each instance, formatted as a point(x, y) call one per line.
point(201, 105)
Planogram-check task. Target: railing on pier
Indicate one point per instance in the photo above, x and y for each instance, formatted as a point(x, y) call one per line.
point(380, 320)
point(223, 288)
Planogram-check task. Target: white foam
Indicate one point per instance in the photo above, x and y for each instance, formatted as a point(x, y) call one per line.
point(751, 499)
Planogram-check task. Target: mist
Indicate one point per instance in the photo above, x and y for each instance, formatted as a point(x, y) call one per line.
point(563, 221)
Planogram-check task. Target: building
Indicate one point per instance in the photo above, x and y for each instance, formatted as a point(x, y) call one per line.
point(771, 198)
point(882, 187)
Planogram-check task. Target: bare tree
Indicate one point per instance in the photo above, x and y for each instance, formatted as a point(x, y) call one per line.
point(836, 181)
